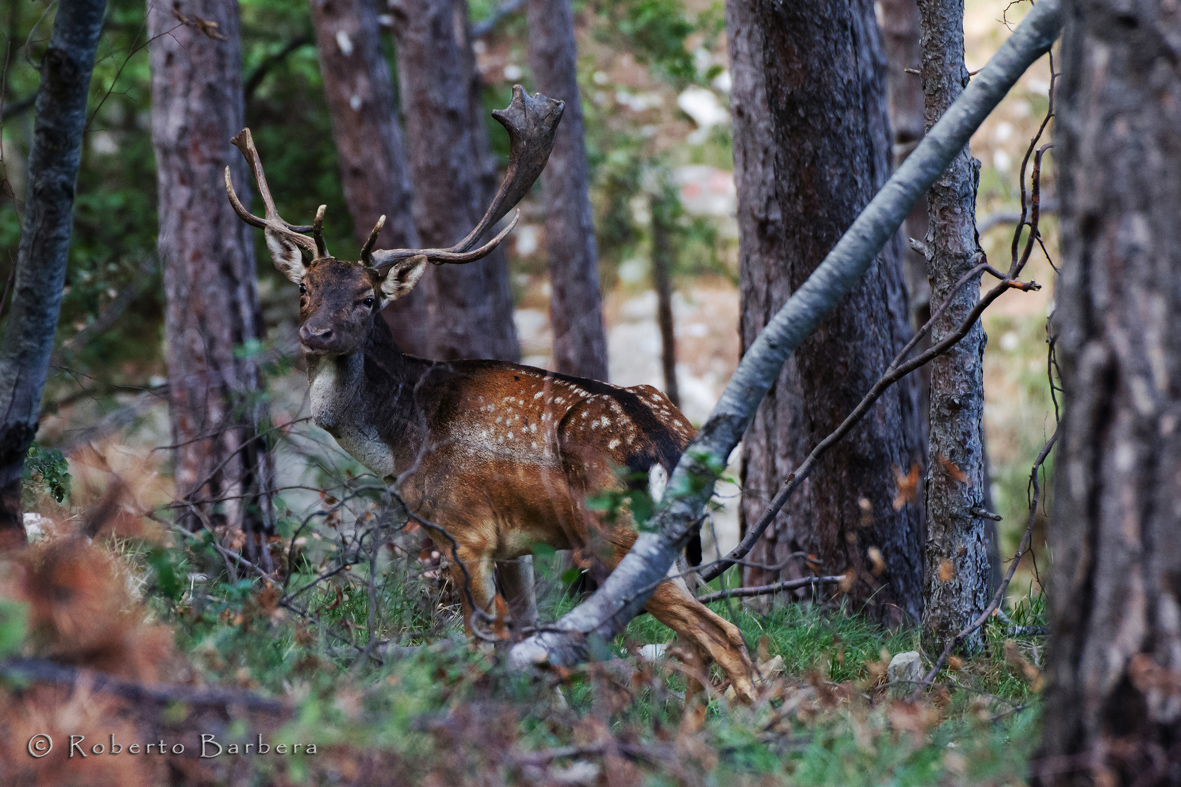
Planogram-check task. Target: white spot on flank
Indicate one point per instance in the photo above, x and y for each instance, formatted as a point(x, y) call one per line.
point(539, 394)
point(344, 42)
point(585, 413)
point(611, 446)
point(657, 481)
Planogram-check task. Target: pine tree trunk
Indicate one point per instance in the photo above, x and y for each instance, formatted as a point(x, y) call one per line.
point(957, 561)
point(470, 305)
point(44, 247)
point(1113, 702)
point(662, 280)
point(821, 154)
point(223, 468)
point(576, 309)
point(901, 25)
point(374, 172)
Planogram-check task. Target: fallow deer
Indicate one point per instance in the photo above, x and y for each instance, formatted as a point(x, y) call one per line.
point(501, 457)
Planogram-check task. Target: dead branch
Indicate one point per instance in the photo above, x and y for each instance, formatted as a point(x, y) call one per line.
point(766, 590)
point(43, 671)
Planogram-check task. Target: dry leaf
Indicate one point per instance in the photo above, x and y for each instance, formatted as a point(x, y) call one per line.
point(908, 486)
point(952, 469)
point(946, 571)
point(866, 511)
point(877, 562)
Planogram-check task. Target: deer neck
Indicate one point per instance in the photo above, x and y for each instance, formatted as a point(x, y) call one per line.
point(366, 401)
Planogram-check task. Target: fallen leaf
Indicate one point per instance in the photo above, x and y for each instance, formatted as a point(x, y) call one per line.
point(952, 469)
point(908, 486)
point(946, 571)
point(877, 562)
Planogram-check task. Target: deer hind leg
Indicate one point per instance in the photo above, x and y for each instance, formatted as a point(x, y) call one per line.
point(712, 636)
point(515, 578)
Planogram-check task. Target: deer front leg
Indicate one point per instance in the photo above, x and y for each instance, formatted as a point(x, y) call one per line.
point(473, 577)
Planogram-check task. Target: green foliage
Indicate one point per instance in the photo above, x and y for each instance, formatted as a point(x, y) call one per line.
point(46, 470)
point(655, 32)
point(14, 618)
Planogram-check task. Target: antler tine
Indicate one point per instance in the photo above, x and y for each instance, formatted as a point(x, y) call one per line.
point(318, 232)
point(272, 221)
point(532, 124)
point(367, 249)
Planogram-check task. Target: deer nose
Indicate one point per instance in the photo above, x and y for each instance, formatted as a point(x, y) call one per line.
point(315, 338)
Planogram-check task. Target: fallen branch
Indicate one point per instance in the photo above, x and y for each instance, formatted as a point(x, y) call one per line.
point(691, 484)
point(766, 590)
point(43, 671)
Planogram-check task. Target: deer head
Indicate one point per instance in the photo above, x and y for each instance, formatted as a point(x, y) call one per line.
point(339, 298)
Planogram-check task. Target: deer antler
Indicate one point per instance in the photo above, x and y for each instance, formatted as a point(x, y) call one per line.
point(273, 223)
point(532, 123)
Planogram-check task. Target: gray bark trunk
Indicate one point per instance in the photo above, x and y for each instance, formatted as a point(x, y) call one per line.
point(576, 309)
point(223, 467)
point(470, 305)
point(627, 589)
point(957, 561)
point(369, 144)
point(822, 73)
point(44, 245)
point(1113, 699)
point(662, 280)
point(900, 34)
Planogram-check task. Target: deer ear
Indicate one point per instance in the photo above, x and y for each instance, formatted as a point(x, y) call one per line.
point(401, 277)
point(285, 255)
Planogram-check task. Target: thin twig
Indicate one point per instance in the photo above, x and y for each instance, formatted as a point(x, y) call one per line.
point(766, 590)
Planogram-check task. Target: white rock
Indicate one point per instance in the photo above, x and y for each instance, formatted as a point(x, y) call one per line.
point(904, 672)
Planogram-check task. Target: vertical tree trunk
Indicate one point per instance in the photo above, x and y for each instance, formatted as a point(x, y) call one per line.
point(824, 90)
point(44, 245)
point(1113, 702)
point(957, 565)
point(223, 467)
point(576, 309)
point(374, 172)
point(662, 279)
point(471, 305)
point(901, 25)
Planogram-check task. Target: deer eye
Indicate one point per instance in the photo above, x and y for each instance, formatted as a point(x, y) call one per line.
point(368, 301)
point(303, 290)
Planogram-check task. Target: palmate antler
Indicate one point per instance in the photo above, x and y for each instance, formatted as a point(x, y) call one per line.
point(532, 124)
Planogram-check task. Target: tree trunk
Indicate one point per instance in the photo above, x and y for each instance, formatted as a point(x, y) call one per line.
point(957, 565)
point(691, 484)
point(901, 26)
point(662, 279)
point(828, 154)
point(470, 305)
point(223, 468)
point(576, 309)
point(44, 244)
point(374, 172)
point(1113, 702)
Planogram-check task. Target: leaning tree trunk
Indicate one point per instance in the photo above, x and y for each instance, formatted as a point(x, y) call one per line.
point(223, 468)
point(374, 172)
point(44, 247)
point(576, 309)
point(958, 570)
point(828, 154)
point(471, 305)
point(1113, 702)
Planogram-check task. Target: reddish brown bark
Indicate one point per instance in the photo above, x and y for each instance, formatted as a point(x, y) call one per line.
point(470, 305)
point(223, 468)
point(369, 145)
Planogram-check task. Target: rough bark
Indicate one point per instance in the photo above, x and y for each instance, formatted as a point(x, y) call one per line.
point(223, 467)
point(60, 116)
point(470, 305)
point(576, 308)
point(823, 76)
point(369, 144)
point(957, 566)
point(662, 281)
point(691, 483)
point(1113, 701)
